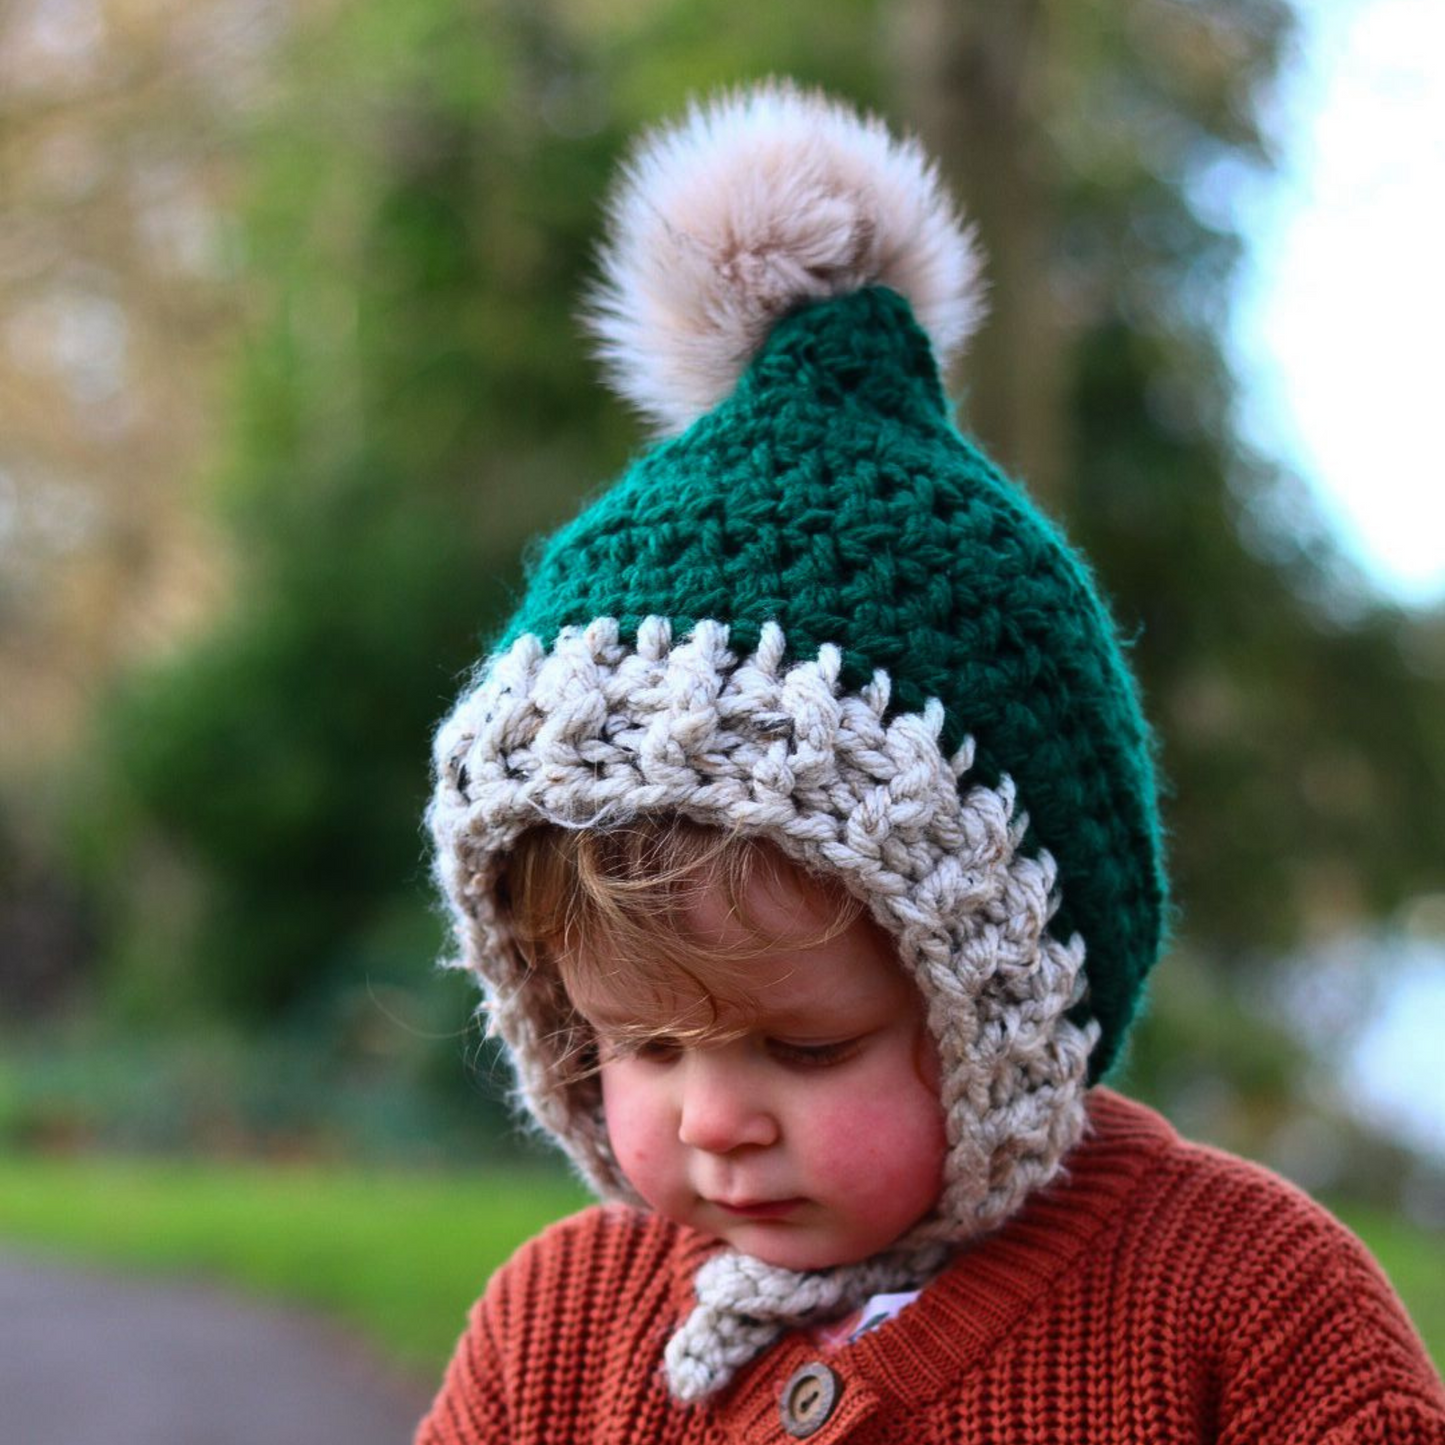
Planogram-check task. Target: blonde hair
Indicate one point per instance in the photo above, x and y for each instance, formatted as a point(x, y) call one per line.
point(615, 909)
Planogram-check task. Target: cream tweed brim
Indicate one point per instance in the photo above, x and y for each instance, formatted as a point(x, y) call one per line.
point(592, 732)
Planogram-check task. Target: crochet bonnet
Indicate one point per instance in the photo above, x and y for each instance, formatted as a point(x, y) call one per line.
point(815, 611)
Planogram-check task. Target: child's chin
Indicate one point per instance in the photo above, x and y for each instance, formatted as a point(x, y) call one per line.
point(799, 1253)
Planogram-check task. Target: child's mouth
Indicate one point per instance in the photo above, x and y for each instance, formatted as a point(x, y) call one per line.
point(760, 1208)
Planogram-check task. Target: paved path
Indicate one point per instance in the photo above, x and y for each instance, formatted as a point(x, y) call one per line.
point(93, 1358)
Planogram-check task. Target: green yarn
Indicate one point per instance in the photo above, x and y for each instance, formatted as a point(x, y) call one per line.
point(832, 494)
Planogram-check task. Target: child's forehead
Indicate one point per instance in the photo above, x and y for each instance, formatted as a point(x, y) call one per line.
point(787, 987)
point(780, 903)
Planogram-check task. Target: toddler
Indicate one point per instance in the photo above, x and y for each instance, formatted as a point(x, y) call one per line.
point(802, 832)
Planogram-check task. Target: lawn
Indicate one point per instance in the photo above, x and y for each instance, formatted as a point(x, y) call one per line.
point(399, 1256)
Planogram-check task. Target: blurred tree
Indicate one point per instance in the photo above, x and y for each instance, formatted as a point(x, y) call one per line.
point(413, 401)
point(44, 939)
point(120, 127)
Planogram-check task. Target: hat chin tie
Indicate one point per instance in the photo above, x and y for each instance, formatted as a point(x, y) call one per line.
point(744, 1305)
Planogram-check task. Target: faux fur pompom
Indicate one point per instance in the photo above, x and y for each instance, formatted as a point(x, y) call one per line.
point(760, 200)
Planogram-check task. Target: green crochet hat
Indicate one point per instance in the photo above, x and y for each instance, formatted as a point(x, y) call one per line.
point(831, 494)
point(816, 611)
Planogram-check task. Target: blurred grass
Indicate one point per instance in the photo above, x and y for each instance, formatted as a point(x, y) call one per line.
point(400, 1256)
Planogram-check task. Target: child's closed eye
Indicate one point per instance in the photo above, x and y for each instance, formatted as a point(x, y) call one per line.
point(664, 1050)
point(650, 1049)
point(660, 1049)
point(813, 1056)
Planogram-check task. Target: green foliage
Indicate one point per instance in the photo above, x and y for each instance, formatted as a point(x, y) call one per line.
point(1303, 750)
point(362, 1072)
point(412, 401)
point(1200, 1031)
point(275, 753)
point(405, 352)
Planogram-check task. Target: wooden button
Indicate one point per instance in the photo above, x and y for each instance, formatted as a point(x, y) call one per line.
point(808, 1399)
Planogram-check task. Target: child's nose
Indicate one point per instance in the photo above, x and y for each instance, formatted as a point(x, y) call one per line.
point(721, 1109)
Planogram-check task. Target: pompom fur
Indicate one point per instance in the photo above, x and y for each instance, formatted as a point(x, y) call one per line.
point(758, 201)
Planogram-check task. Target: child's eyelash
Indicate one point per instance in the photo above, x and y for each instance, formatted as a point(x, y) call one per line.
point(813, 1056)
point(663, 1050)
point(635, 1048)
point(658, 1050)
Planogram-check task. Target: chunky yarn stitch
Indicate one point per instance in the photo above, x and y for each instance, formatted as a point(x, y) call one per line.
point(830, 494)
point(821, 615)
point(743, 1305)
point(1161, 1292)
point(594, 731)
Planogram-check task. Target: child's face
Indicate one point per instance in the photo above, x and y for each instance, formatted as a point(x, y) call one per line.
point(815, 1136)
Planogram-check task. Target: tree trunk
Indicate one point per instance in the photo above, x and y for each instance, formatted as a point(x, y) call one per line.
point(971, 78)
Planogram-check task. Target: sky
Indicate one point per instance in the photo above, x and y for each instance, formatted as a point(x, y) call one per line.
point(1338, 334)
point(1338, 343)
point(1394, 1065)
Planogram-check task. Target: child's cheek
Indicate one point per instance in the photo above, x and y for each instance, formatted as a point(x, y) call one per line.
point(881, 1146)
point(636, 1128)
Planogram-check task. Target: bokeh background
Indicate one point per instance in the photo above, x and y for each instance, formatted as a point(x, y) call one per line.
point(289, 374)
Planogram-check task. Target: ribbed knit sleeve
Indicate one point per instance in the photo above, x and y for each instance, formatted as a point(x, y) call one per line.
point(472, 1403)
point(567, 1339)
point(1312, 1341)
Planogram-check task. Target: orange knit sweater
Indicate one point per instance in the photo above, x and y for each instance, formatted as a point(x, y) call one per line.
point(1161, 1292)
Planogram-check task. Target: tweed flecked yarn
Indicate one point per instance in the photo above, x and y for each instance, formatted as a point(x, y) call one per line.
point(743, 1306)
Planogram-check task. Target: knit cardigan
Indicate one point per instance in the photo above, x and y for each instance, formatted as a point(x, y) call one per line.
point(1159, 1292)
